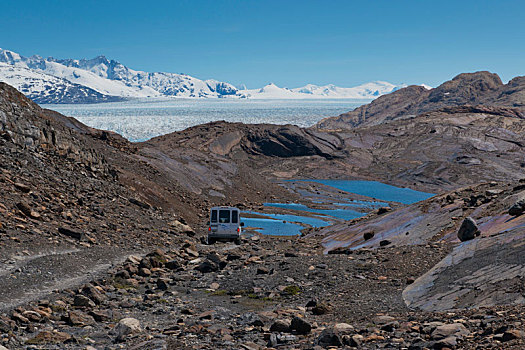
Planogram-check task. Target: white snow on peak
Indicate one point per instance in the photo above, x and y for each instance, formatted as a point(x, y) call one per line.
point(364, 91)
point(112, 79)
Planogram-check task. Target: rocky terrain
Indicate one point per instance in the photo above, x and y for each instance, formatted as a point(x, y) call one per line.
point(472, 89)
point(102, 240)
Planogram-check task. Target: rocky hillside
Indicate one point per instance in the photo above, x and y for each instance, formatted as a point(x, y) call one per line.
point(96, 250)
point(435, 151)
point(480, 88)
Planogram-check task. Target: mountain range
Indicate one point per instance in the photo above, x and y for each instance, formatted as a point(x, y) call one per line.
point(51, 80)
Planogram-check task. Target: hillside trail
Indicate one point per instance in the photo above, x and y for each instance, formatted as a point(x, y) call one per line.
point(33, 275)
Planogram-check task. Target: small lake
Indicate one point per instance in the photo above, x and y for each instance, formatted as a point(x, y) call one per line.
point(281, 224)
point(377, 190)
point(290, 225)
point(344, 214)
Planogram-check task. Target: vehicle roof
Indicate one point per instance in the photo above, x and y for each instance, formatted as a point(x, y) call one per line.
point(224, 207)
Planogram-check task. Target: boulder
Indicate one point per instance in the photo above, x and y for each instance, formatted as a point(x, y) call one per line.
point(71, 233)
point(173, 265)
point(300, 326)
point(383, 210)
point(127, 326)
point(262, 270)
point(49, 337)
point(79, 319)
point(280, 326)
point(343, 328)
point(512, 334)
point(468, 230)
point(355, 340)
point(162, 284)
point(384, 243)
point(517, 208)
point(447, 330)
point(328, 337)
point(368, 235)
point(449, 342)
point(22, 187)
point(179, 227)
point(93, 293)
point(207, 266)
point(83, 301)
point(321, 309)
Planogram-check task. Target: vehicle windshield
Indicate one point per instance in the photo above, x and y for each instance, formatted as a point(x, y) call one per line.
point(235, 217)
point(224, 216)
point(213, 216)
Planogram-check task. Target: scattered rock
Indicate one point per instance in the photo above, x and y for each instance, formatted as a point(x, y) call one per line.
point(77, 318)
point(343, 328)
point(468, 230)
point(321, 309)
point(207, 266)
point(512, 334)
point(368, 235)
point(127, 326)
point(179, 227)
point(92, 293)
point(262, 270)
point(355, 341)
point(383, 210)
point(70, 233)
point(328, 337)
point(280, 326)
point(173, 265)
point(280, 339)
point(446, 330)
point(300, 326)
point(517, 208)
point(48, 337)
point(22, 187)
point(384, 243)
point(83, 301)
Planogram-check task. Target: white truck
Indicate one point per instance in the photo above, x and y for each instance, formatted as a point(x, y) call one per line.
point(225, 224)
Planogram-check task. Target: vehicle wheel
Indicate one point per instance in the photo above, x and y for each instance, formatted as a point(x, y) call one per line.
point(238, 241)
point(211, 241)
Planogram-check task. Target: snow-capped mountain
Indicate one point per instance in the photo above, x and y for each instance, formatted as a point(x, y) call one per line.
point(112, 78)
point(365, 91)
point(51, 80)
point(45, 88)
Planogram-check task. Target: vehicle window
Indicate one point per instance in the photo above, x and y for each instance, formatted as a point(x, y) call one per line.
point(235, 217)
point(224, 216)
point(213, 216)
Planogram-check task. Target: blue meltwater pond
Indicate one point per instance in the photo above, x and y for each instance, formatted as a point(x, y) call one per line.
point(378, 190)
point(290, 225)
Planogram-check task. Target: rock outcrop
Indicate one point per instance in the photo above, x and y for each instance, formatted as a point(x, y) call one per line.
point(480, 88)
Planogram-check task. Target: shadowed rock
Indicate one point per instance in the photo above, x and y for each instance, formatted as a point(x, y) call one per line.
point(468, 230)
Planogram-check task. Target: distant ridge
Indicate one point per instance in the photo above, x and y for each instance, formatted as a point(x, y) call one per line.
point(52, 80)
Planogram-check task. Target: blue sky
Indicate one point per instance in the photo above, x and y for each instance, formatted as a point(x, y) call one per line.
point(287, 42)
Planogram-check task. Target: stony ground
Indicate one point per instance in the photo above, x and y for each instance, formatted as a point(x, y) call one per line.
point(265, 293)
